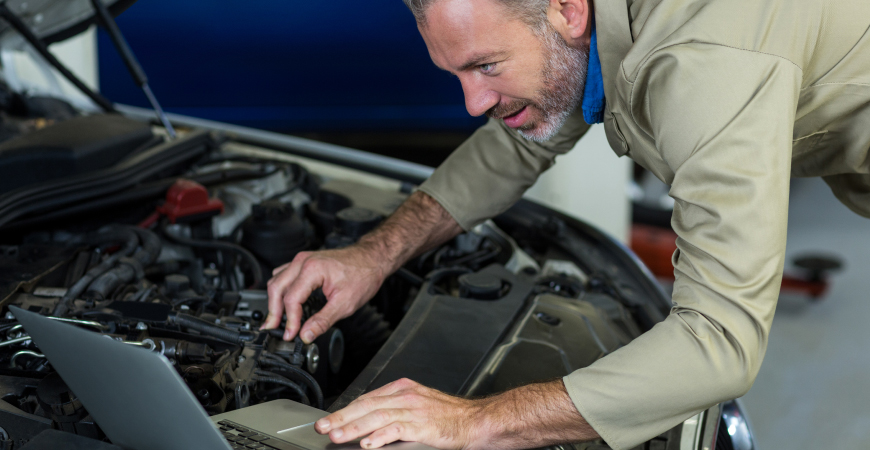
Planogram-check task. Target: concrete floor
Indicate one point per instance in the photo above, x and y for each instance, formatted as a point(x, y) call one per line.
point(813, 391)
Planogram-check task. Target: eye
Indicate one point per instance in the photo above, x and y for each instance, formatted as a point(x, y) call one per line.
point(486, 68)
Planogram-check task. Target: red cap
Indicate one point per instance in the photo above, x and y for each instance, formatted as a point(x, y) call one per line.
point(188, 198)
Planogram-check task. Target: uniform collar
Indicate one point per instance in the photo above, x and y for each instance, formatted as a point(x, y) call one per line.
point(614, 40)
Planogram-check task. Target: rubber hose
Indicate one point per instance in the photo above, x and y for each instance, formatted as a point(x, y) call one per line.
point(285, 382)
point(300, 375)
point(226, 246)
point(151, 246)
point(130, 239)
point(210, 329)
point(124, 273)
point(106, 283)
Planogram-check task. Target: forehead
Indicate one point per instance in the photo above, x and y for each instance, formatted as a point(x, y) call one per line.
point(459, 30)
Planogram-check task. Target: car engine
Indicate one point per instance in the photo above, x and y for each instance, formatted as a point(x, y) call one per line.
point(169, 245)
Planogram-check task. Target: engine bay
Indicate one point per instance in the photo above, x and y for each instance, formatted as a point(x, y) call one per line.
point(170, 248)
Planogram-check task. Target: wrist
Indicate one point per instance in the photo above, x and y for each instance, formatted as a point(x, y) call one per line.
point(493, 422)
point(535, 415)
point(376, 255)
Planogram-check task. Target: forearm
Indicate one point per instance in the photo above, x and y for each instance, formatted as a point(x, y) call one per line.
point(419, 224)
point(531, 416)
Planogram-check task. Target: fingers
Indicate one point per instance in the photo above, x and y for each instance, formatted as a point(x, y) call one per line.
point(369, 423)
point(320, 322)
point(396, 431)
point(294, 317)
point(280, 268)
point(296, 294)
point(402, 410)
point(391, 396)
point(357, 409)
point(276, 287)
point(346, 281)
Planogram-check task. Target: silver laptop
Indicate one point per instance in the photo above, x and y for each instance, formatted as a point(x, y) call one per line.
point(141, 403)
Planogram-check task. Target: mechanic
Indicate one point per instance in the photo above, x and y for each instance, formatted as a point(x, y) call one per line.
point(723, 100)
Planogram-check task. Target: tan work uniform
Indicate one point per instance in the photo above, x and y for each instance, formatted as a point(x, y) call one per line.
point(723, 100)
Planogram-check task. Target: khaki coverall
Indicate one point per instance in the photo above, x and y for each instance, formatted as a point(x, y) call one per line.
point(723, 100)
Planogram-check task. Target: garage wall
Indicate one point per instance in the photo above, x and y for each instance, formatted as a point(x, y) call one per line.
point(79, 54)
point(589, 182)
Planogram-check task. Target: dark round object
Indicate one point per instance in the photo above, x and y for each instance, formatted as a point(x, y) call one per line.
point(354, 222)
point(481, 286)
point(322, 211)
point(275, 234)
point(818, 263)
point(332, 349)
point(331, 202)
point(271, 211)
point(176, 283)
point(58, 400)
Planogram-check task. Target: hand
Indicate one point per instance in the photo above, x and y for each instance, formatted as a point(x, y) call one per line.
point(405, 411)
point(349, 277)
point(531, 416)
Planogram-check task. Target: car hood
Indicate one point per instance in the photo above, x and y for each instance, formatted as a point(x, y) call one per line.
point(56, 20)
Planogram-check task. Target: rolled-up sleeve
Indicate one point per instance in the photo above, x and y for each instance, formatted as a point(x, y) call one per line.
point(722, 120)
point(490, 171)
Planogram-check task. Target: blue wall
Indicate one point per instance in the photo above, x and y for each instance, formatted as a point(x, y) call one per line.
point(287, 65)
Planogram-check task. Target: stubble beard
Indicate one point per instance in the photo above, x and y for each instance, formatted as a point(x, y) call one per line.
point(564, 77)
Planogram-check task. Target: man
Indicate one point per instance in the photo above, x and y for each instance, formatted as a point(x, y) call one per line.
point(724, 100)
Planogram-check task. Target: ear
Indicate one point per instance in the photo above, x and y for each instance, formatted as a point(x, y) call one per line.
point(572, 19)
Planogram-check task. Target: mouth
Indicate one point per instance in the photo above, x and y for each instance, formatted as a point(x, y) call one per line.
point(518, 118)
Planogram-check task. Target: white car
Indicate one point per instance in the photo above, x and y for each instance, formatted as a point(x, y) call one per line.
point(109, 222)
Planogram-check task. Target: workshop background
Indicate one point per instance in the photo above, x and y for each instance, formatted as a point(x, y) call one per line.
point(316, 70)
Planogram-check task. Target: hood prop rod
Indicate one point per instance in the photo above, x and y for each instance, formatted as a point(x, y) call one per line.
point(130, 61)
point(7, 15)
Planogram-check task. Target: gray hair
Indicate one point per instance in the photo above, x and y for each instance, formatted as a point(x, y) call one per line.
point(532, 12)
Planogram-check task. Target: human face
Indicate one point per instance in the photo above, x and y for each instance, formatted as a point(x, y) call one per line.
point(530, 80)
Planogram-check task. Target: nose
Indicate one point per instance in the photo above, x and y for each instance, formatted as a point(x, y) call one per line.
point(478, 97)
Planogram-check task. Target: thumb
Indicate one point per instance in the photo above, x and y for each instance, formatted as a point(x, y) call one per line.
point(322, 321)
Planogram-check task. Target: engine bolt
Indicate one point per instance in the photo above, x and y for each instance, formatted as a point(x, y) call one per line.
point(312, 356)
point(241, 359)
point(141, 326)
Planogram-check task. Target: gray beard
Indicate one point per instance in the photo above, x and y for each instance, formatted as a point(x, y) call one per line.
point(564, 82)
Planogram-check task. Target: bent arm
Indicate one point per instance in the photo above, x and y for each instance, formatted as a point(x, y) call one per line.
point(419, 224)
point(722, 119)
point(482, 178)
point(351, 276)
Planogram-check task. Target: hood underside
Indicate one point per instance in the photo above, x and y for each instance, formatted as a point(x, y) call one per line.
point(57, 20)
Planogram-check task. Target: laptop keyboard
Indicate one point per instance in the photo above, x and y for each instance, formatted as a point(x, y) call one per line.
point(242, 438)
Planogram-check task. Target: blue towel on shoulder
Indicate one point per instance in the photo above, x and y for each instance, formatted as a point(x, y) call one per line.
point(593, 94)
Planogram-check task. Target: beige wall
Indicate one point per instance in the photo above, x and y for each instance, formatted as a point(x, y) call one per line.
point(79, 54)
point(590, 182)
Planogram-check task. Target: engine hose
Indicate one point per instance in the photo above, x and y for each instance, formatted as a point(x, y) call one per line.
point(210, 329)
point(253, 264)
point(151, 245)
point(130, 239)
point(299, 375)
point(272, 378)
point(127, 271)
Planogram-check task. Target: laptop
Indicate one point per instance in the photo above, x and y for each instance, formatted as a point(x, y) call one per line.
point(141, 403)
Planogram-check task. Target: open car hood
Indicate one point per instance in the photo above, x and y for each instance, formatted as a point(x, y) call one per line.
point(56, 20)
